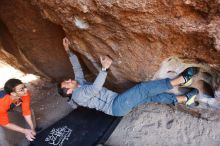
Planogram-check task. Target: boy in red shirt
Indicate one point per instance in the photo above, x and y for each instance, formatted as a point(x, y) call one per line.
point(15, 94)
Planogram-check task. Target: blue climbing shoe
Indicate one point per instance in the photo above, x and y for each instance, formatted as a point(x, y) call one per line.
point(191, 96)
point(188, 74)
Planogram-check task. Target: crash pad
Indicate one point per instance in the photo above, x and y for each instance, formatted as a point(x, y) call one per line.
point(82, 127)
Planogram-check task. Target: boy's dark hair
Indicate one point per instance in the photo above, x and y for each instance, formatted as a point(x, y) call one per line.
point(62, 91)
point(11, 84)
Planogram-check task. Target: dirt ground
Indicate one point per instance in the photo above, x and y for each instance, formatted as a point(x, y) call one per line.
point(160, 125)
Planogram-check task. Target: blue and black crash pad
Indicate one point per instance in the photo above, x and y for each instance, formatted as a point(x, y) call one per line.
point(82, 127)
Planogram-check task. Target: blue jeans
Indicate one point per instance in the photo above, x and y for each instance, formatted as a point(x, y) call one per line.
point(144, 92)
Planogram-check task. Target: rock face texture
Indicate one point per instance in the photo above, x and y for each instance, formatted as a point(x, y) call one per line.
point(141, 36)
point(147, 39)
point(138, 35)
point(35, 42)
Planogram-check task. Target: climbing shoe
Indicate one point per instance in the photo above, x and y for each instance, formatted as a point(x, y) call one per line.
point(188, 74)
point(191, 96)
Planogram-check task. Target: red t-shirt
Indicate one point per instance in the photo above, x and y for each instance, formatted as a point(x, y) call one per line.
point(5, 103)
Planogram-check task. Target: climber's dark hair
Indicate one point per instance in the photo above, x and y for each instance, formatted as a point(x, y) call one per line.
point(62, 91)
point(11, 84)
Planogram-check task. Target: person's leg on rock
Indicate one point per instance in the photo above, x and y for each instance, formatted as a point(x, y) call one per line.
point(146, 92)
point(150, 91)
point(189, 97)
point(170, 98)
point(124, 102)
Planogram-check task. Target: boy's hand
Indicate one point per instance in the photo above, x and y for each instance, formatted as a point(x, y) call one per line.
point(66, 44)
point(29, 134)
point(105, 61)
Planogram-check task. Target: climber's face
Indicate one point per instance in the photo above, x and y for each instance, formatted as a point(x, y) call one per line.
point(20, 90)
point(70, 85)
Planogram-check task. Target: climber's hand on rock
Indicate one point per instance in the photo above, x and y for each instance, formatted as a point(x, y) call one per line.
point(66, 44)
point(105, 61)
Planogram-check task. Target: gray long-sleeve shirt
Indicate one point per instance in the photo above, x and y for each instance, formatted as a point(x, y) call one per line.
point(92, 95)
